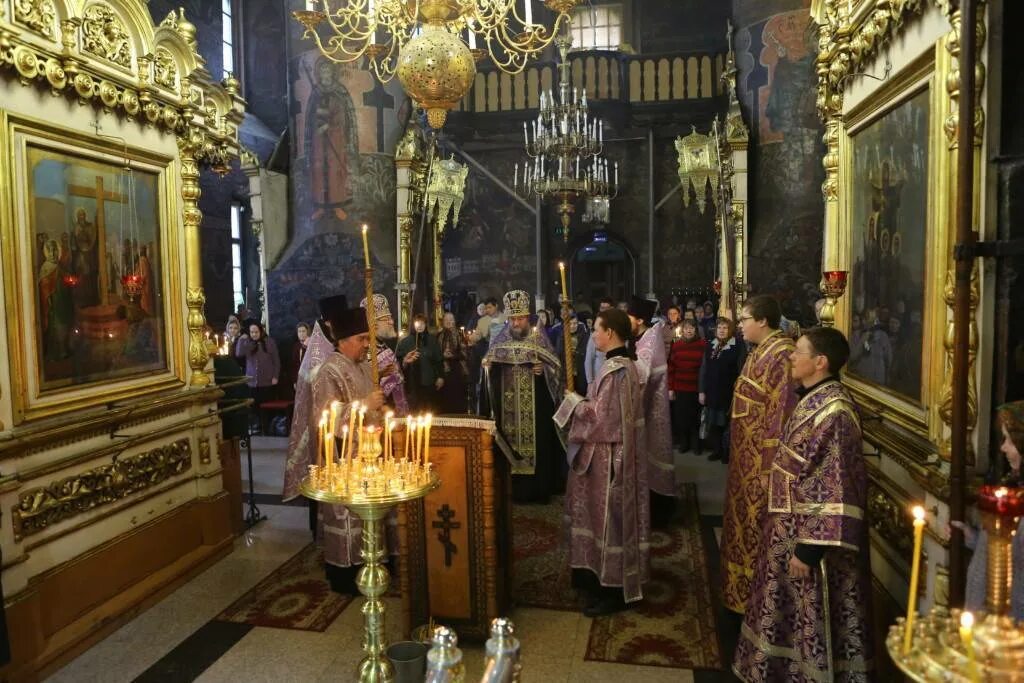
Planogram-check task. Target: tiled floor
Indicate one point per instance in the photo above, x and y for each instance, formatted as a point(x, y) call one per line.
point(553, 643)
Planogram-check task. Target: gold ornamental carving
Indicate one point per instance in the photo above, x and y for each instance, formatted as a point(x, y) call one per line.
point(104, 35)
point(888, 518)
point(204, 450)
point(950, 127)
point(844, 50)
point(40, 508)
point(37, 15)
point(165, 69)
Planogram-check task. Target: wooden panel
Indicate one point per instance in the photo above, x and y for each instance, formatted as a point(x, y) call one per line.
point(692, 73)
point(614, 67)
point(231, 479)
point(678, 79)
point(533, 86)
point(664, 85)
point(519, 88)
point(635, 82)
point(650, 84)
point(73, 605)
point(604, 86)
point(447, 510)
point(480, 93)
point(590, 75)
point(492, 91)
point(705, 77)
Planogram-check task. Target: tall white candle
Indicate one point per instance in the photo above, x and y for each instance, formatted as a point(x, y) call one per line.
point(526, 134)
point(472, 39)
point(616, 174)
point(529, 11)
point(515, 180)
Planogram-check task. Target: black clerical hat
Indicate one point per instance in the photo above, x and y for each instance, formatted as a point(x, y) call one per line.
point(332, 304)
point(642, 309)
point(347, 322)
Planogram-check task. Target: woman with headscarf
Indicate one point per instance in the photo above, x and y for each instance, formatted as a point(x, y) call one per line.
point(456, 369)
point(262, 362)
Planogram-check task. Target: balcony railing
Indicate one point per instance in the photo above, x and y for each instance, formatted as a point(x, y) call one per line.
point(607, 76)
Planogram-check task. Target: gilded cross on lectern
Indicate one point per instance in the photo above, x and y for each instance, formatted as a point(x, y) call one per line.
point(445, 535)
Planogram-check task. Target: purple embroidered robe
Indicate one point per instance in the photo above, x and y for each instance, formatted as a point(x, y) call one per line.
point(607, 501)
point(303, 435)
point(392, 383)
point(814, 629)
point(762, 399)
point(340, 379)
point(652, 367)
point(512, 398)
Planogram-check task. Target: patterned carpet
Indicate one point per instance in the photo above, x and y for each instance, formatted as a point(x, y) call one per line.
point(295, 596)
point(675, 624)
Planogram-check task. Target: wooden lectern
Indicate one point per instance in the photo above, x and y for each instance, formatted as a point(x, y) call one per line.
point(455, 544)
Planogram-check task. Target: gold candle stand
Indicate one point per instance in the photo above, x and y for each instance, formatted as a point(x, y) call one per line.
point(938, 652)
point(370, 486)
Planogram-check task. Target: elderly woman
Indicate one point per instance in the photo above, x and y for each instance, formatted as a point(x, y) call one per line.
point(1010, 418)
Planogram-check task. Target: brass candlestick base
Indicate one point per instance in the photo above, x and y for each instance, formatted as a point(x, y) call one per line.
point(373, 579)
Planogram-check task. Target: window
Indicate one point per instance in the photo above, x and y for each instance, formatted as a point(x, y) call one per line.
point(228, 36)
point(236, 255)
point(597, 27)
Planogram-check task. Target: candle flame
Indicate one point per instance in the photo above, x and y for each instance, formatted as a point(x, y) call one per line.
point(918, 513)
point(390, 414)
point(966, 620)
point(1001, 492)
point(323, 420)
point(365, 228)
point(561, 265)
point(344, 429)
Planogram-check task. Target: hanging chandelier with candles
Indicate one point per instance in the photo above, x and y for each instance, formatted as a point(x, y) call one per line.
point(422, 41)
point(564, 145)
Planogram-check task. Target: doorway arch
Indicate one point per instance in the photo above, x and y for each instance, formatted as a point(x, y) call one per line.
point(602, 264)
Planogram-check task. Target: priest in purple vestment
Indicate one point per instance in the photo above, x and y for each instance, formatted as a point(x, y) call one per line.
point(344, 376)
point(606, 501)
point(809, 613)
point(523, 383)
point(652, 366)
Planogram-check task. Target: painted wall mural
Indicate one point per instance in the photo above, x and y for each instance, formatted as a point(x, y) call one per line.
point(775, 52)
point(343, 129)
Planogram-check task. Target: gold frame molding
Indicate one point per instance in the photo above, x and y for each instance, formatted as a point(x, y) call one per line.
point(116, 59)
point(29, 402)
point(851, 35)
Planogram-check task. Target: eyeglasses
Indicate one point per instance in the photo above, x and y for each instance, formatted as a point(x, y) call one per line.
point(805, 353)
point(744, 317)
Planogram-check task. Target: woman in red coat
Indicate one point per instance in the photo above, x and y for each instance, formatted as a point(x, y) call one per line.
point(684, 361)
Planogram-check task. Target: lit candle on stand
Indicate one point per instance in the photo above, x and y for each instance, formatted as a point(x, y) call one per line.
point(329, 453)
point(353, 409)
point(915, 571)
point(408, 437)
point(526, 135)
point(967, 638)
point(387, 434)
point(362, 416)
point(321, 429)
point(426, 457)
point(515, 178)
point(345, 446)
point(366, 246)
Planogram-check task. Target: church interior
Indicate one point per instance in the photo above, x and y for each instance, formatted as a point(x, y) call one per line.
point(199, 198)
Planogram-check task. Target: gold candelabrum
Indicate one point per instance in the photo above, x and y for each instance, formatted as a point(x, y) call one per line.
point(945, 645)
point(564, 146)
point(422, 41)
point(370, 478)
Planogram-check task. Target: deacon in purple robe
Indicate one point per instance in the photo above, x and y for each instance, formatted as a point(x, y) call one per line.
point(652, 366)
point(809, 613)
point(607, 502)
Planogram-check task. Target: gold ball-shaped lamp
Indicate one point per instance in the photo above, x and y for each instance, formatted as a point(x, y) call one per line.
point(436, 68)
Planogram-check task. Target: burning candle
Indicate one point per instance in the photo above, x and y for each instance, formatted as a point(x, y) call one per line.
point(426, 439)
point(419, 439)
point(915, 571)
point(333, 417)
point(345, 446)
point(388, 426)
point(409, 436)
point(321, 428)
point(515, 177)
point(565, 289)
point(362, 416)
point(967, 638)
point(366, 246)
point(353, 409)
point(329, 453)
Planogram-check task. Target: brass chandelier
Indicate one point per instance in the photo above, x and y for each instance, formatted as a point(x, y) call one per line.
point(422, 41)
point(564, 150)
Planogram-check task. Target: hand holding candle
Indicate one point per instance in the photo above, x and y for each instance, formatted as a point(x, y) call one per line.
point(915, 571)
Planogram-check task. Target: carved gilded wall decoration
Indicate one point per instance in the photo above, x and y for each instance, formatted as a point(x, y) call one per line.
point(41, 508)
point(104, 35)
point(204, 450)
point(889, 519)
point(165, 70)
point(37, 15)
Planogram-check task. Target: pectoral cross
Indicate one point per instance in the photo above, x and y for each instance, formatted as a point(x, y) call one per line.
point(445, 536)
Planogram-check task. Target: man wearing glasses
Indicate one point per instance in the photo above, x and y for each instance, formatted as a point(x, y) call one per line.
point(762, 399)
